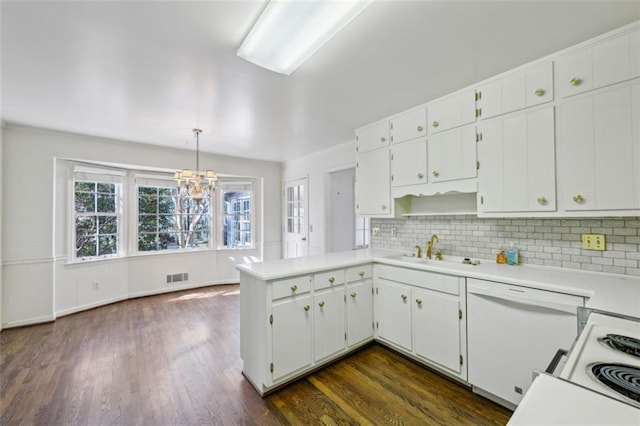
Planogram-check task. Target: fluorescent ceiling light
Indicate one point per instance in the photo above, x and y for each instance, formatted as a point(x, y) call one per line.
point(289, 31)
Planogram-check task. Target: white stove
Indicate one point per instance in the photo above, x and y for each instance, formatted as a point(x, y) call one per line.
point(606, 358)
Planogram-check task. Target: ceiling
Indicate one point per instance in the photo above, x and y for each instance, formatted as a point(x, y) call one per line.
point(150, 71)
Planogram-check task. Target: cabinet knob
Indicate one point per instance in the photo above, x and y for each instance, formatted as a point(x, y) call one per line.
point(307, 307)
point(542, 200)
point(361, 273)
point(294, 288)
point(420, 128)
point(539, 92)
point(419, 301)
point(435, 124)
point(575, 81)
point(353, 295)
point(321, 304)
point(404, 296)
point(578, 198)
point(420, 175)
point(436, 173)
point(331, 280)
point(383, 207)
point(383, 139)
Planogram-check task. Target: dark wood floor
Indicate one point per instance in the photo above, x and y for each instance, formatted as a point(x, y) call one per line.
point(175, 359)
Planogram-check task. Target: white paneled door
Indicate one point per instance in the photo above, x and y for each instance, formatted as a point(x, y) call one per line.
point(296, 203)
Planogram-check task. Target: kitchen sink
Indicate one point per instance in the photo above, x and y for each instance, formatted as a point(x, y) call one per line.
point(412, 258)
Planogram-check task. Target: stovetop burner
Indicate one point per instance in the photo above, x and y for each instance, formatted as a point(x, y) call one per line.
point(621, 378)
point(626, 344)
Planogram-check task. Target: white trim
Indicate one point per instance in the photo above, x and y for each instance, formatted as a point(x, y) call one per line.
point(28, 261)
point(30, 321)
point(174, 289)
point(88, 306)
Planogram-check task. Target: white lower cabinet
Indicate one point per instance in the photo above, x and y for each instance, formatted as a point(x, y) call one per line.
point(359, 305)
point(394, 313)
point(291, 335)
point(437, 328)
point(329, 328)
point(422, 314)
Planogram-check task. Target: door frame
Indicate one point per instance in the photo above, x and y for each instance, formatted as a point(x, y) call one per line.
point(286, 183)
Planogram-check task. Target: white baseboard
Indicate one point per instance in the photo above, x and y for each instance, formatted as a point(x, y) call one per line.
point(29, 321)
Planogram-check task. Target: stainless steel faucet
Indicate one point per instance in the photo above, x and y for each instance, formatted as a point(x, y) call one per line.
point(430, 243)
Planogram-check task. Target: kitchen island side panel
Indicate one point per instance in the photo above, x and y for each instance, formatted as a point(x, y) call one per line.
point(254, 347)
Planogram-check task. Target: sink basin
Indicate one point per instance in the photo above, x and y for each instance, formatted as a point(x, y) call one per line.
point(411, 258)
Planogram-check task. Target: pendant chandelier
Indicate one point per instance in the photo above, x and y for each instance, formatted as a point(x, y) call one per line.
point(193, 183)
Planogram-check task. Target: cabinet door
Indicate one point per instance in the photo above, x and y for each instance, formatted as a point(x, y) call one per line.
point(574, 74)
point(394, 313)
point(453, 111)
point(329, 323)
point(292, 334)
point(452, 155)
point(372, 137)
point(601, 150)
point(517, 163)
point(516, 91)
point(373, 189)
point(409, 125)
point(409, 163)
point(611, 61)
point(359, 312)
point(436, 328)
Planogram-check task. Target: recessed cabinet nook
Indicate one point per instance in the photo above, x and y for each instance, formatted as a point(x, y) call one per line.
point(557, 137)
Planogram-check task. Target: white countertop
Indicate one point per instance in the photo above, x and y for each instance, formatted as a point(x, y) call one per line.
point(605, 292)
point(553, 401)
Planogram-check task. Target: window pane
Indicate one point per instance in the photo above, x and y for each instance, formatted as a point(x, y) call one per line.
point(166, 205)
point(147, 223)
point(106, 203)
point(167, 192)
point(85, 186)
point(108, 244)
point(85, 225)
point(85, 202)
point(107, 225)
point(167, 223)
point(147, 190)
point(147, 242)
point(108, 188)
point(147, 204)
point(86, 247)
point(167, 241)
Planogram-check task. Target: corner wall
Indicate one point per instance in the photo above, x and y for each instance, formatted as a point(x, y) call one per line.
point(316, 166)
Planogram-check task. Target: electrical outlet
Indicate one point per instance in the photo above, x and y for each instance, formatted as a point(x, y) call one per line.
point(376, 231)
point(394, 232)
point(96, 286)
point(593, 242)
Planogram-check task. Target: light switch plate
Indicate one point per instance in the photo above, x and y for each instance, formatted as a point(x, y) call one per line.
point(394, 232)
point(594, 242)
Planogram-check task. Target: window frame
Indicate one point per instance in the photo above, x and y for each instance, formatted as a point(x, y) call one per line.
point(82, 173)
point(225, 185)
point(162, 181)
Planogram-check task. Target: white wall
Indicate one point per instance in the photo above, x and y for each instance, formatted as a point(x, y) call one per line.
point(1, 219)
point(317, 166)
point(38, 284)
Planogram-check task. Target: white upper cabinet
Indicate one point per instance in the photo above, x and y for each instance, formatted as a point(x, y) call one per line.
point(373, 137)
point(409, 163)
point(600, 150)
point(517, 163)
point(409, 125)
point(607, 62)
point(452, 155)
point(373, 190)
point(515, 91)
point(452, 111)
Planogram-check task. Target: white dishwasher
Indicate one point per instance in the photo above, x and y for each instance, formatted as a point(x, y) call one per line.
point(511, 331)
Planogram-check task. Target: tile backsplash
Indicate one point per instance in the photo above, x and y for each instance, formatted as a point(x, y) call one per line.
point(549, 242)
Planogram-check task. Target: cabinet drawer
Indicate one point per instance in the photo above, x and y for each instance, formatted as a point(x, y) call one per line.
point(328, 279)
point(358, 273)
point(290, 287)
point(429, 280)
point(373, 136)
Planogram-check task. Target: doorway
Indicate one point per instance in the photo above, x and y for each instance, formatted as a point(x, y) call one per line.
point(296, 206)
